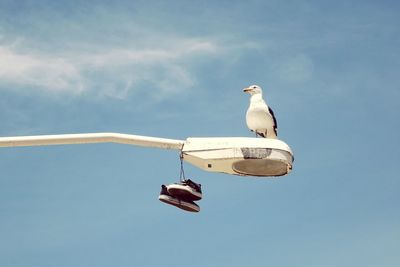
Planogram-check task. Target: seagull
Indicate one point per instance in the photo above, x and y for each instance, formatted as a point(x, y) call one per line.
point(259, 117)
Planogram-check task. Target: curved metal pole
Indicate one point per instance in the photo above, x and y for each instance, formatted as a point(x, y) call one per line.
point(87, 138)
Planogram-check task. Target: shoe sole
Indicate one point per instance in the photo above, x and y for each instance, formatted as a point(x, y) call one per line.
point(184, 192)
point(179, 203)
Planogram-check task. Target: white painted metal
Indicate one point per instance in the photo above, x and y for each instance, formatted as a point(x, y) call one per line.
point(207, 143)
point(239, 155)
point(232, 155)
point(87, 138)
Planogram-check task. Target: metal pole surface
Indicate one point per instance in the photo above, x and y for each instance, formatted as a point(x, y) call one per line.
point(88, 138)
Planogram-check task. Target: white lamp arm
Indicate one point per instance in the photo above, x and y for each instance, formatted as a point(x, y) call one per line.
point(87, 138)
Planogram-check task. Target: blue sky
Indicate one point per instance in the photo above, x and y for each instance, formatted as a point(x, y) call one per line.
point(176, 69)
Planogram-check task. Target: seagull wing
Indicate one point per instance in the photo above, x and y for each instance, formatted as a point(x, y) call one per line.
point(273, 117)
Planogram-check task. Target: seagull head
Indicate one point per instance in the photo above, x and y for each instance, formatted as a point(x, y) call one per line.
point(253, 89)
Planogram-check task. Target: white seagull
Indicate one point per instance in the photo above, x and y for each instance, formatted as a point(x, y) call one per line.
point(259, 117)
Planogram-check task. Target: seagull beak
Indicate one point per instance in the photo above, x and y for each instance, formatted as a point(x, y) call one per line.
point(248, 89)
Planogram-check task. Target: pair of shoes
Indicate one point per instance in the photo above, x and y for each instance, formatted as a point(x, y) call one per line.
point(182, 195)
point(166, 197)
point(187, 190)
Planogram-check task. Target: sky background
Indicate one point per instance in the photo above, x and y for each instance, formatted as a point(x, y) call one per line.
point(176, 69)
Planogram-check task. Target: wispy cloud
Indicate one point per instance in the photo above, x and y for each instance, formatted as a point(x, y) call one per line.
point(111, 72)
point(39, 71)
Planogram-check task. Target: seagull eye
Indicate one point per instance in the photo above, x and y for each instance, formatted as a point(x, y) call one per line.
point(254, 87)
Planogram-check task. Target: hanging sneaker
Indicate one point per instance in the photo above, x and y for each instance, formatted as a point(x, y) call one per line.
point(180, 203)
point(186, 190)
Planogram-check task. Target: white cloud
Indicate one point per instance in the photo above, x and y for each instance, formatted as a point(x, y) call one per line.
point(111, 72)
point(52, 73)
